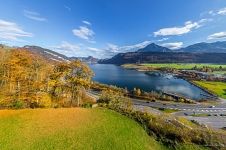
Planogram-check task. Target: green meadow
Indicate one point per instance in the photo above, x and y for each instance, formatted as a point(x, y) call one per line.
point(183, 65)
point(218, 88)
point(179, 66)
point(71, 128)
point(74, 128)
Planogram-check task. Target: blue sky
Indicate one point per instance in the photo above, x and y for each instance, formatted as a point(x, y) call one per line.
point(102, 28)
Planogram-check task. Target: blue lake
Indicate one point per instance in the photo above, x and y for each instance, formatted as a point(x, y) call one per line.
point(116, 75)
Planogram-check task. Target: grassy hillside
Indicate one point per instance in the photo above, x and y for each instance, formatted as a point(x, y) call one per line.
point(72, 128)
point(219, 88)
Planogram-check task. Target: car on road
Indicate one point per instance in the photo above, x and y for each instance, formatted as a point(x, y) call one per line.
point(186, 114)
point(212, 106)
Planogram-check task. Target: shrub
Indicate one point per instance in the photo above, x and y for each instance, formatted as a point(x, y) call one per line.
point(17, 104)
point(44, 100)
point(87, 105)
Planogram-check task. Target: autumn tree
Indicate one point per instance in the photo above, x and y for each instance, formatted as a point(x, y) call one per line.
point(57, 83)
point(29, 80)
point(23, 77)
point(69, 80)
point(137, 91)
point(77, 78)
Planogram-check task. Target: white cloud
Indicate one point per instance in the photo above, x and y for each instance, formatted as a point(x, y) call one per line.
point(80, 50)
point(86, 22)
point(174, 45)
point(11, 31)
point(188, 27)
point(67, 7)
point(218, 35)
point(34, 15)
point(222, 11)
point(84, 33)
point(211, 12)
point(204, 21)
point(163, 39)
point(113, 49)
point(68, 49)
point(94, 49)
point(136, 46)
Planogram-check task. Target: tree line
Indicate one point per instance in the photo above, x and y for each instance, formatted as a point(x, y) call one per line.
point(29, 80)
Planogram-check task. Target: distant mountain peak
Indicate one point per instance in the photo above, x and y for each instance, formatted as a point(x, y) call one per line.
point(215, 47)
point(154, 48)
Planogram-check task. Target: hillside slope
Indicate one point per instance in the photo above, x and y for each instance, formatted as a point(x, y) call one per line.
point(72, 128)
point(46, 53)
point(216, 47)
point(170, 57)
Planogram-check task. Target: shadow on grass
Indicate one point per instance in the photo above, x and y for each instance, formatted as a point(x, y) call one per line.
point(224, 91)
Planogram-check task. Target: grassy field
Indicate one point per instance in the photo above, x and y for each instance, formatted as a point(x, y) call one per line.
point(219, 72)
point(74, 128)
point(219, 88)
point(174, 65)
point(183, 66)
point(71, 129)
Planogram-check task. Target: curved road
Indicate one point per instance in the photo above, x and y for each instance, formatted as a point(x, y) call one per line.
point(214, 116)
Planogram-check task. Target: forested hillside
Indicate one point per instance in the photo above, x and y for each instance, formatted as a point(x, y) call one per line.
point(29, 80)
point(165, 57)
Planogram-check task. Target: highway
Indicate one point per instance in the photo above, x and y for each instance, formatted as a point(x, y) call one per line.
point(214, 116)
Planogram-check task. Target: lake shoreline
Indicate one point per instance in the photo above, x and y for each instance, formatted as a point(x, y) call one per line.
point(131, 78)
point(175, 75)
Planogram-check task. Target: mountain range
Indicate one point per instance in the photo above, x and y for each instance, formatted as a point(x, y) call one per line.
point(216, 47)
point(153, 53)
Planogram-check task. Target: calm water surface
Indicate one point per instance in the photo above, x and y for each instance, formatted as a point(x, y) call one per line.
point(116, 75)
